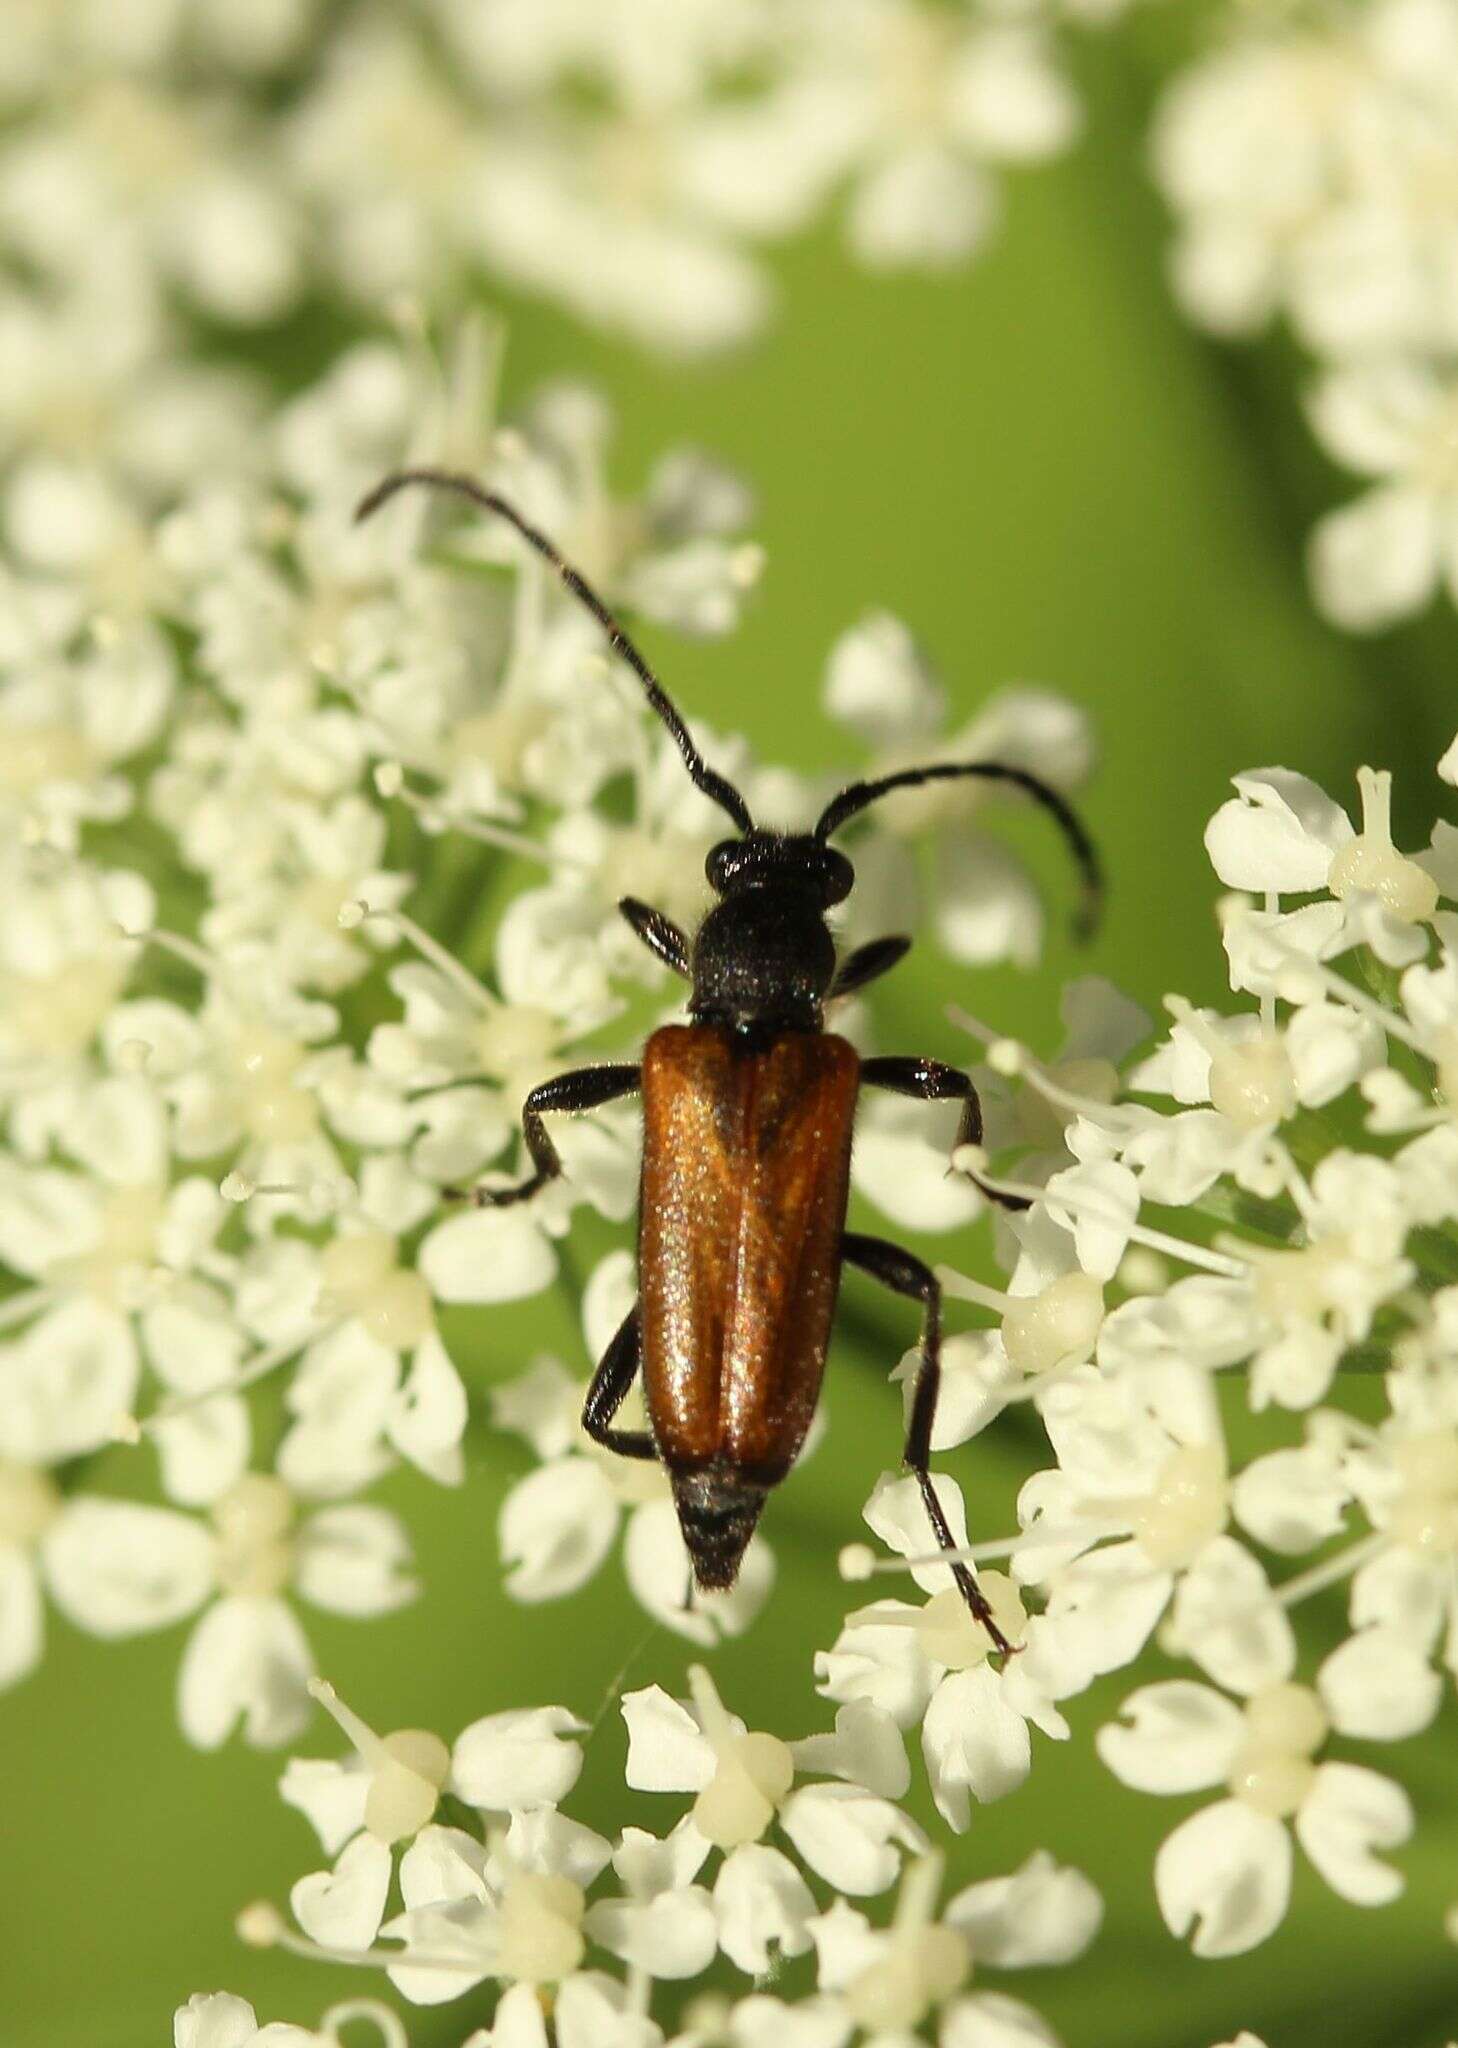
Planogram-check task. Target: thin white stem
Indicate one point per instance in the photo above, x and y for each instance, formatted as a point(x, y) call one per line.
point(391, 2026)
point(960, 1288)
point(371, 1749)
point(1331, 1571)
point(432, 950)
point(1226, 1267)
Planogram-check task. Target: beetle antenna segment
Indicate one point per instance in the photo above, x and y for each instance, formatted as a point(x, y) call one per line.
point(716, 787)
point(860, 794)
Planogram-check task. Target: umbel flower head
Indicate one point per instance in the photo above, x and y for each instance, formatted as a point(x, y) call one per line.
point(1313, 1129)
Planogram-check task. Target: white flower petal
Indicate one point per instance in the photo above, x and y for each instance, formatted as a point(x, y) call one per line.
point(1348, 1814)
point(555, 1528)
point(673, 1936)
point(1176, 1737)
point(974, 1742)
point(506, 1762)
point(1225, 1873)
point(330, 1795)
point(117, 1568)
point(667, 1750)
point(1278, 834)
point(22, 1622)
point(487, 1255)
point(343, 1907)
point(1227, 1619)
point(764, 1908)
point(1379, 1687)
point(846, 1836)
point(246, 1660)
point(354, 1560)
point(990, 2019)
point(214, 2020)
point(866, 1749)
point(1376, 560)
point(1043, 1914)
point(427, 1418)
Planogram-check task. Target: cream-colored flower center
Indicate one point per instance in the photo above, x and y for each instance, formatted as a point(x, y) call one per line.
point(1297, 1286)
point(915, 58)
point(1273, 1768)
point(254, 1523)
point(922, 1970)
point(57, 1015)
point(274, 1109)
point(920, 1966)
point(539, 1937)
point(119, 1267)
point(30, 1500)
point(950, 1636)
point(33, 755)
point(407, 1769)
point(1252, 1083)
point(360, 1276)
point(1371, 862)
point(1424, 1516)
point(1060, 1322)
point(405, 1784)
point(1187, 1506)
point(753, 1773)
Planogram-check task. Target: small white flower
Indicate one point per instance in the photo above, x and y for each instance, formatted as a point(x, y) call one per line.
point(1224, 1875)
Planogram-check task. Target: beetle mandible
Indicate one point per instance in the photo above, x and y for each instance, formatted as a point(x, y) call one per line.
point(747, 1122)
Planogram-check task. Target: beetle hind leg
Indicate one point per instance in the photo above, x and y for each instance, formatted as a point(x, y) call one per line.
point(906, 1274)
point(610, 1384)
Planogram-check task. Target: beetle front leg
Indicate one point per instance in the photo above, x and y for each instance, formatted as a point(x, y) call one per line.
point(610, 1384)
point(904, 1273)
point(583, 1088)
point(934, 1081)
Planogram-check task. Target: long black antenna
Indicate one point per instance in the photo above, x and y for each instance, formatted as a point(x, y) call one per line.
point(715, 786)
point(859, 794)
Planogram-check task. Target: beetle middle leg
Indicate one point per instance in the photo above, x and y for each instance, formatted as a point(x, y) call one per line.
point(904, 1273)
point(610, 1384)
point(583, 1088)
point(933, 1081)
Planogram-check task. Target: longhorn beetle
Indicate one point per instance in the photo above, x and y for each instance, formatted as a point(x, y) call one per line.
point(747, 1118)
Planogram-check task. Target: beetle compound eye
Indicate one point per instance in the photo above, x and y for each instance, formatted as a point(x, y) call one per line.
point(839, 876)
point(722, 864)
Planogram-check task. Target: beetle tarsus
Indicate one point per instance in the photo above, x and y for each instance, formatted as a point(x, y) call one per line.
point(933, 1081)
point(564, 1095)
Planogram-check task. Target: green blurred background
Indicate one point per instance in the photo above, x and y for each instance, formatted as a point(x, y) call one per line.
point(1052, 478)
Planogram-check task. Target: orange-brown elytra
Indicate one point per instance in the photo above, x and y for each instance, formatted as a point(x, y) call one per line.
point(747, 1123)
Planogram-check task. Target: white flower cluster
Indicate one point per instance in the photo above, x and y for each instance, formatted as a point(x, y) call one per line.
point(228, 1137)
point(1312, 164)
point(1286, 1226)
point(496, 1882)
point(625, 158)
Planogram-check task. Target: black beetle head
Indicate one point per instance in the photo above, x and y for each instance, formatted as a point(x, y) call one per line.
point(766, 860)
